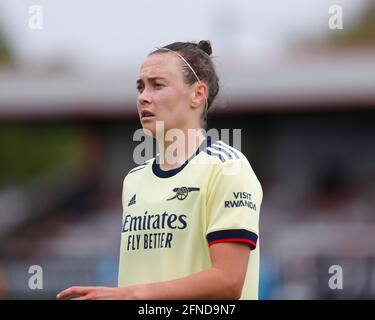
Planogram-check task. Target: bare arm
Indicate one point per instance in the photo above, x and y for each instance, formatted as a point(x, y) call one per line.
point(224, 280)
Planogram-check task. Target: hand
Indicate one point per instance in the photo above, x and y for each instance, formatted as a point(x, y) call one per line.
point(98, 293)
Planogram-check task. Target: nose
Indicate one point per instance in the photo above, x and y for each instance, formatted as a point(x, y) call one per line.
point(144, 98)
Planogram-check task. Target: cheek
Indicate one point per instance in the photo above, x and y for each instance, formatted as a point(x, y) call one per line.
point(180, 99)
point(172, 104)
point(170, 101)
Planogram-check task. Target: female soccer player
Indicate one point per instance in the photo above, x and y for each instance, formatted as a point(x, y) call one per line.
point(189, 221)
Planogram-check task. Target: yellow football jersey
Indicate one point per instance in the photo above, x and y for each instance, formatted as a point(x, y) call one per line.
point(170, 218)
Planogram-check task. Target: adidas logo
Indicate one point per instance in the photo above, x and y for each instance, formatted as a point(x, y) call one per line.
point(132, 201)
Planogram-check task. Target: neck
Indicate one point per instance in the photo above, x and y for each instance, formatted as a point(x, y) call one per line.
point(174, 152)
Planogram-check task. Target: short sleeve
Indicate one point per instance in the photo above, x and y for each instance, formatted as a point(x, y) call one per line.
point(233, 204)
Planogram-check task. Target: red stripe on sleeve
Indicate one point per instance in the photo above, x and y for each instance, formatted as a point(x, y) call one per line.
point(253, 244)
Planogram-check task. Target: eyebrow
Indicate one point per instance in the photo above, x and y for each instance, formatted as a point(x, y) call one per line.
point(140, 81)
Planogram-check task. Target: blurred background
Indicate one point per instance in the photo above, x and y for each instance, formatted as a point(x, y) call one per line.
point(302, 93)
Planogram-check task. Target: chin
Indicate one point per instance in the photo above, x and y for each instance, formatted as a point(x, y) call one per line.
point(149, 129)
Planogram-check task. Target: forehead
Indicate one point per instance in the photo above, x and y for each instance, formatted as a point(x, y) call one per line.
point(165, 65)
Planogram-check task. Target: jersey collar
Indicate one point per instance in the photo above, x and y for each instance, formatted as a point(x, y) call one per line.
point(170, 173)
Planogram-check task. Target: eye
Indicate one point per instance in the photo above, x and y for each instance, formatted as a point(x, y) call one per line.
point(139, 88)
point(158, 86)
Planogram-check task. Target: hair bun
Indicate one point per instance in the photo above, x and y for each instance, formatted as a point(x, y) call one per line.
point(205, 45)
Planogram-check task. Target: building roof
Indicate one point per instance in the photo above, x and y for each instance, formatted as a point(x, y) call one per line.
point(312, 81)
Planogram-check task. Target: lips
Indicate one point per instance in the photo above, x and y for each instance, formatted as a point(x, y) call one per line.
point(146, 114)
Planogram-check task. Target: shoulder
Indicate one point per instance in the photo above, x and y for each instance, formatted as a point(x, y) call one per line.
point(232, 167)
point(138, 170)
point(222, 153)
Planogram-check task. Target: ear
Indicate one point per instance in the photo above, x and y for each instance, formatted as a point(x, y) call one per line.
point(199, 94)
